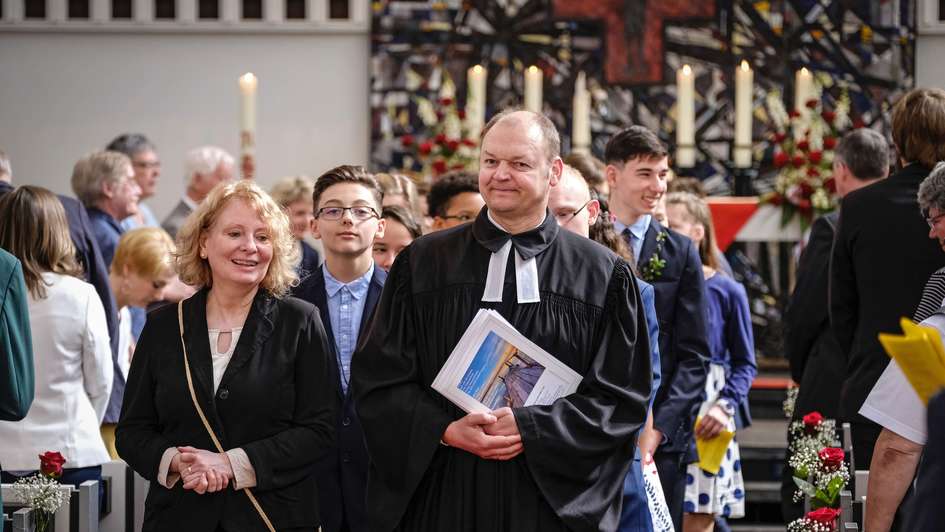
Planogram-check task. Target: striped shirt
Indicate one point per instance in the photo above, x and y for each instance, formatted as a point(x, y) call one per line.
point(932, 297)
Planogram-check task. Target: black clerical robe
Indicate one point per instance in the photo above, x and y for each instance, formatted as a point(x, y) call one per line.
point(576, 451)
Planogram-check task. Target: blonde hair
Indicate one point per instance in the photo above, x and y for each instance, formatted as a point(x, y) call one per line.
point(196, 271)
point(699, 212)
point(34, 229)
point(92, 172)
point(147, 251)
point(400, 185)
point(288, 190)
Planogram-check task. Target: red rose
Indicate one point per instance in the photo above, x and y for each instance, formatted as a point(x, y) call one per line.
point(812, 421)
point(453, 145)
point(469, 142)
point(806, 190)
point(439, 166)
point(780, 137)
point(858, 123)
point(813, 172)
point(829, 116)
point(812, 103)
point(831, 458)
point(803, 145)
point(440, 138)
point(50, 463)
point(461, 114)
point(439, 116)
point(446, 101)
point(804, 206)
point(781, 159)
point(831, 185)
point(798, 161)
point(830, 143)
point(824, 516)
point(426, 148)
point(406, 141)
point(776, 199)
point(815, 156)
point(794, 113)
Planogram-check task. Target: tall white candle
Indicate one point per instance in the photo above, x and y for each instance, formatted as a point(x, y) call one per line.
point(685, 118)
point(533, 86)
point(248, 84)
point(475, 101)
point(803, 89)
point(581, 119)
point(744, 87)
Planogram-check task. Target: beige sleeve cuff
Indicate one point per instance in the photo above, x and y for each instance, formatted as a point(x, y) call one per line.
point(244, 474)
point(164, 477)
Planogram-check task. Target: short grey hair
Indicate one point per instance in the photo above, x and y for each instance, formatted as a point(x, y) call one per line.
point(130, 144)
point(865, 152)
point(5, 169)
point(932, 191)
point(93, 171)
point(205, 160)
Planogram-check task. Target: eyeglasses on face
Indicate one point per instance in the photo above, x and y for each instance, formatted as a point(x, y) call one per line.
point(566, 216)
point(358, 212)
point(147, 165)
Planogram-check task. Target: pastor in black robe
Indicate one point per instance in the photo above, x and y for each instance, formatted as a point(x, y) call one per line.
point(576, 450)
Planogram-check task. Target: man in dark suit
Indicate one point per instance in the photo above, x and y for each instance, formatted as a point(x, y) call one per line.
point(817, 362)
point(882, 258)
point(345, 289)
point(637, 164)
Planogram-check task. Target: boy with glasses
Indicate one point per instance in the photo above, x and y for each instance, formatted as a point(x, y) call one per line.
point(454, 200)
point(347, 203)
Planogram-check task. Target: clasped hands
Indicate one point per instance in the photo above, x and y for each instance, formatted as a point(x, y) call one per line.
point(202, 471)
point(492, 436)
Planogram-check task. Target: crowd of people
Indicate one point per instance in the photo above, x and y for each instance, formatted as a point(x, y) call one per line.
point(282, 343)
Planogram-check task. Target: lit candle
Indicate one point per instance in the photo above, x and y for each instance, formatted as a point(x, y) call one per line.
point(248, 84)
point(533, 85)
point(685, 118)
point(581, 119)
point(803, 89)
point(475, 101)
point(744, 87)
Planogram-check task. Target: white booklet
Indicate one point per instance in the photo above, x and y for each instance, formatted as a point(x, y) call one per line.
point(494, 365)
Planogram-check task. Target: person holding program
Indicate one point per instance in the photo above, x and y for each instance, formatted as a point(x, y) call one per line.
point(542, 468)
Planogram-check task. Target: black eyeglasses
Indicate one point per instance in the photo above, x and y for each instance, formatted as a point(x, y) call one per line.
point(565, 217)
point(359, 213)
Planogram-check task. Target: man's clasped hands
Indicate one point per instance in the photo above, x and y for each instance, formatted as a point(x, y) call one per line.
point(492, 435)
point(202, 471)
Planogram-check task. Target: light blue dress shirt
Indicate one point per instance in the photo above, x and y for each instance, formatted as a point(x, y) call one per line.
point(345, 308)
point(130, 222)
point(638, 230)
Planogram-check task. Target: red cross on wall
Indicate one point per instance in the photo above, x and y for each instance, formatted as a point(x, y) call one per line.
point(637, 58)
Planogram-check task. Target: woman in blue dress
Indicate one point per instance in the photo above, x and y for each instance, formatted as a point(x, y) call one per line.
point(731, 372)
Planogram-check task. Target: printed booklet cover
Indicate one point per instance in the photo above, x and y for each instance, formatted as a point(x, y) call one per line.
point(494, 365)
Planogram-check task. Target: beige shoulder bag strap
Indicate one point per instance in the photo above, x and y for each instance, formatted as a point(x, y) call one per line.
point(206, 424)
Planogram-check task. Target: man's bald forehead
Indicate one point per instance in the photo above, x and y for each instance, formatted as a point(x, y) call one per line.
point(573, 184)
point(537, 126)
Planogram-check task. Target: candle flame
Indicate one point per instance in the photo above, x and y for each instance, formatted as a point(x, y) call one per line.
point(745, 66)
point(804, 71)
point(477, 69)
point(248, 81)
point(533, 69)
point(686, 70)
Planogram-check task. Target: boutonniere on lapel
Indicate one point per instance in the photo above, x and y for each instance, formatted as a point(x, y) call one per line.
point(652, 269)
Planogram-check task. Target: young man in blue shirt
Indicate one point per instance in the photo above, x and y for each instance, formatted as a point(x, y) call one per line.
point(347, 203)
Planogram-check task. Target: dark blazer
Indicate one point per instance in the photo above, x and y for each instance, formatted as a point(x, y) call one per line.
point(274, 402)
point(684, 350)
point(881, 260)
point(927, 513)
point(817, 362)
point(342, 473)
point(175, 219)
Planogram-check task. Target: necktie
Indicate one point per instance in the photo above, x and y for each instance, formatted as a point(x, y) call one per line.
point(631, 241)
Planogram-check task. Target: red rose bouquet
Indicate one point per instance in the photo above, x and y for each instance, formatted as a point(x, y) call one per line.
point(42, 492)
point(820, 471)
point(803, 156)
point(820, 520)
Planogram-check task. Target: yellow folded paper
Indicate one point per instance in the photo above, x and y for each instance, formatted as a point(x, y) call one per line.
point(920, 355)
point(712, 451)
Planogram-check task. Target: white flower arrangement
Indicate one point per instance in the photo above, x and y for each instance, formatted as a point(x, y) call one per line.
point(790, 401)
point(42, 494)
